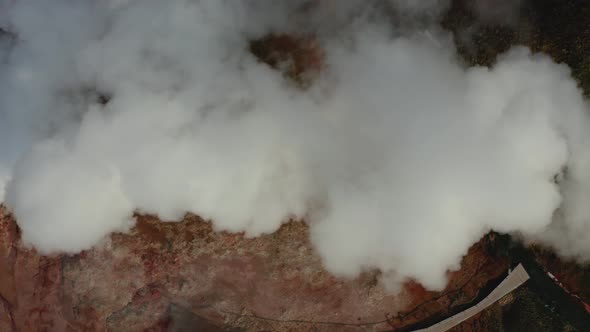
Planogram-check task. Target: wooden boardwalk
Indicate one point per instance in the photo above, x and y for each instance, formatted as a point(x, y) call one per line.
point(516, 278)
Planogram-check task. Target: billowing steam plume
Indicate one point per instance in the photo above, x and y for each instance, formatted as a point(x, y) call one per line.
point(397, 156)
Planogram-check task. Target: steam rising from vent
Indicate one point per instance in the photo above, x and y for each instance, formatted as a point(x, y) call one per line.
point(397, 156)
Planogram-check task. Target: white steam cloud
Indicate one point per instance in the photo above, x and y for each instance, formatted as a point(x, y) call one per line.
point(397, 156)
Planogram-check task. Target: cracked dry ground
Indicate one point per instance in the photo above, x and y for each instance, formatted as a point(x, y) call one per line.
point(182, 276)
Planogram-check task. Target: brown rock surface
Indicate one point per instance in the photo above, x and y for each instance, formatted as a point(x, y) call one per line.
point(179, 276)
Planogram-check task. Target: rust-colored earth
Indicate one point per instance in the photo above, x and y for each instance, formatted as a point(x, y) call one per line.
point(184, 277)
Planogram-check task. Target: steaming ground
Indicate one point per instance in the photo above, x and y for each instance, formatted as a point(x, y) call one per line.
point(398, 156)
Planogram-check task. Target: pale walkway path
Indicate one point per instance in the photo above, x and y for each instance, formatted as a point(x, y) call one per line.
point(516, 278)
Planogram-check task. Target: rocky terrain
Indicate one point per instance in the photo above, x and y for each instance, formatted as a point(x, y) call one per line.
point(185, 277)
point(177, 276)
